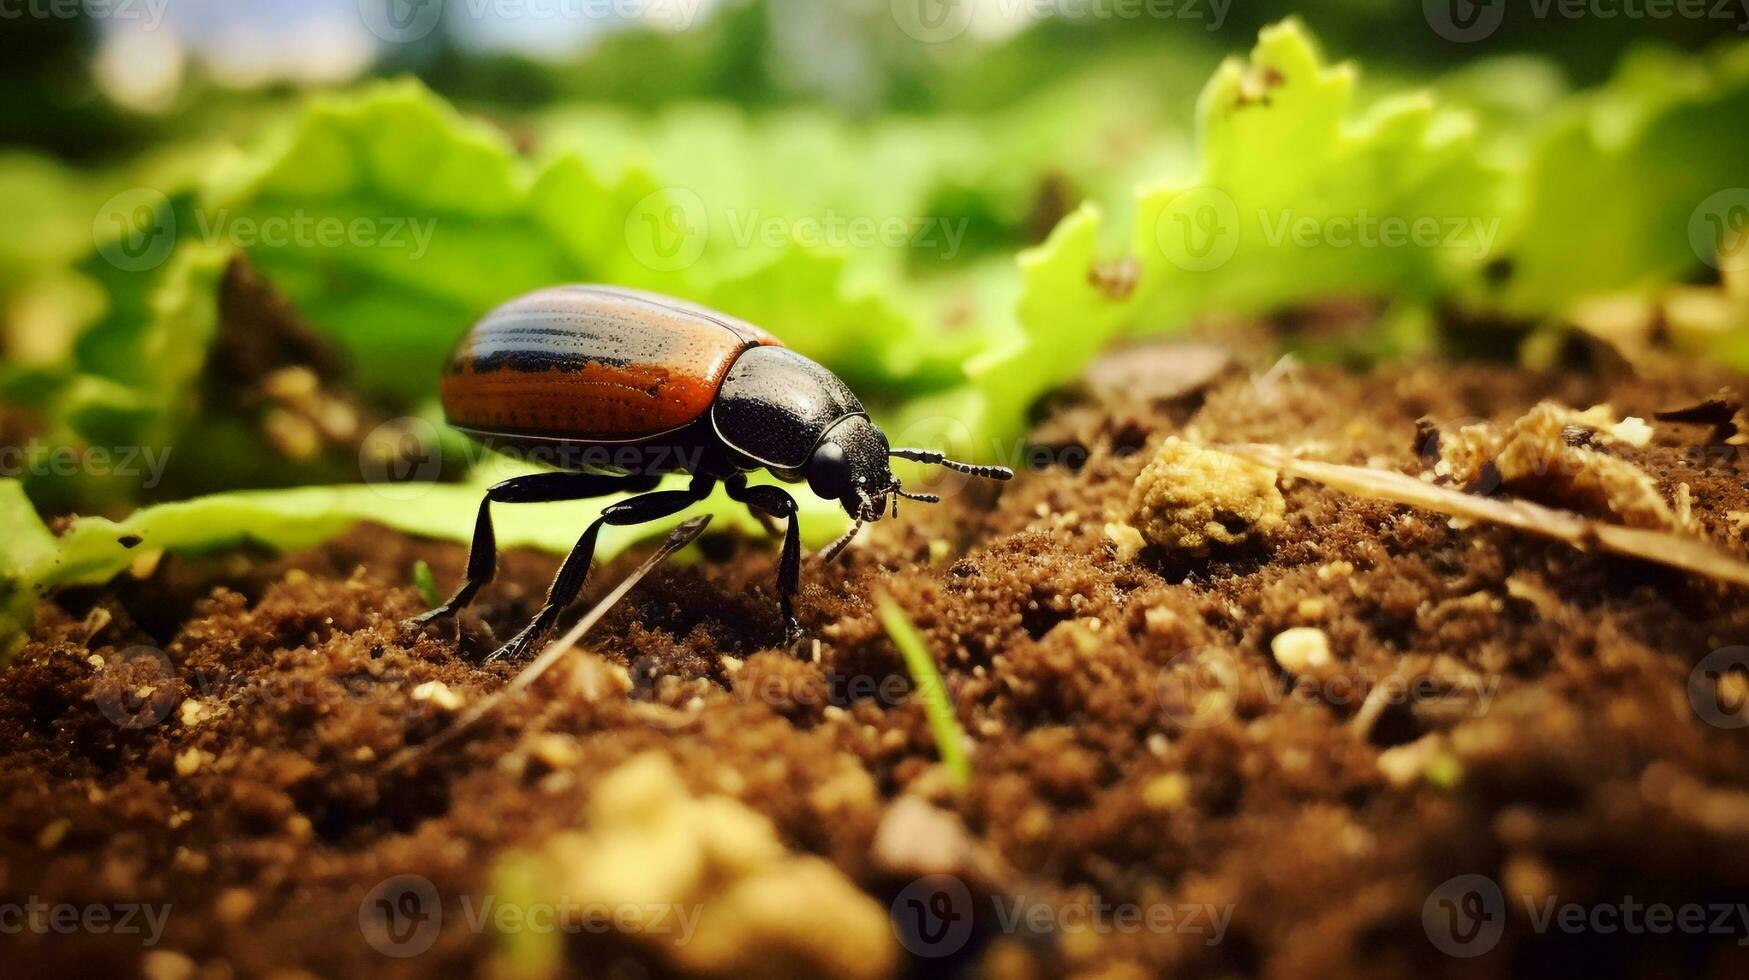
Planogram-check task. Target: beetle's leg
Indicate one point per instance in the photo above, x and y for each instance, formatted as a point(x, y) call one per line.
point(776, 502)
point(575, 571)
point(530, 489)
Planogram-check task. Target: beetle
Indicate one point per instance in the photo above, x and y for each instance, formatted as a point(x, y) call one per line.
point(618, 387)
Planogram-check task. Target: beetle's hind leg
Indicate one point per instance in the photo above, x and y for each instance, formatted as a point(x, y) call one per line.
point(572, 574)
point(530, 489)
point(776, 502)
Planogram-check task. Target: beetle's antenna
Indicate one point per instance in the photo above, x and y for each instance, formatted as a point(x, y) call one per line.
point(922, 498)
point(931, 456)
point(831, 552)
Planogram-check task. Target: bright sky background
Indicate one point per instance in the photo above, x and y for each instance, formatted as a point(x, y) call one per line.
point(148, 45)
point(143, 56)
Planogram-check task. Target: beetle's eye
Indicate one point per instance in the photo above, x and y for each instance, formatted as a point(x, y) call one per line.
point(829, 472)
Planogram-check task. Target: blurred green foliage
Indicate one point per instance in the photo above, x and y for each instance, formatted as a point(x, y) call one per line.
point(957, 236)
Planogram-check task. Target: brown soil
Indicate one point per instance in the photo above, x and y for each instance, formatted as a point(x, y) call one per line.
point(1134, 740)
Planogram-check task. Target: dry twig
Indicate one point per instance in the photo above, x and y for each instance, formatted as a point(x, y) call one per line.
point(1659, 547)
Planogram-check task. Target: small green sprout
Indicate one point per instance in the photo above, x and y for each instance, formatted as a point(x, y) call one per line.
point(950, 739)
point(426, 583)
point(521, 883)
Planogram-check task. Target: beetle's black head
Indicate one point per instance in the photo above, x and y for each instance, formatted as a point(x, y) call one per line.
point(850, 466)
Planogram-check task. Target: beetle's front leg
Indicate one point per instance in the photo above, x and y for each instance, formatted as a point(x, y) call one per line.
point(777, 503)
point(531, 489)
point(569, 582)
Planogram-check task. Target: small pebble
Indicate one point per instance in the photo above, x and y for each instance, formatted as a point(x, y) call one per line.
point(1302, 650)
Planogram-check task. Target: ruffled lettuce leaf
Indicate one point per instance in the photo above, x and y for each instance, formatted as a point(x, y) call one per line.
point(1634, 186)
point(93, 550)
point(1294, 197)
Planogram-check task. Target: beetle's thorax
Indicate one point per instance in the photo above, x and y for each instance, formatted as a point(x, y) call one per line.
point(775, 406)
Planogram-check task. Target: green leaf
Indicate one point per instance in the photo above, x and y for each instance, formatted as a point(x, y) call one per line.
point(1629, 187)
point(426, 583)
point(26, 551)
point(92, 550)
point(926, 683)
point(454, 222)
point(1290, 202)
